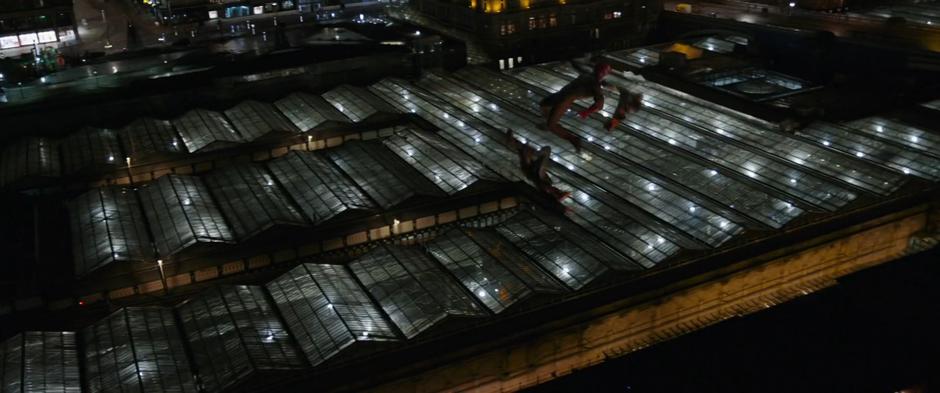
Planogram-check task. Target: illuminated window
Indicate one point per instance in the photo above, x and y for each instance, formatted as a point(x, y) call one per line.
point(531, 23)
point(507, 28)
point(47, 36)
point(10, 41)
point(552, 21)
point(29, 39)
point(617, 14)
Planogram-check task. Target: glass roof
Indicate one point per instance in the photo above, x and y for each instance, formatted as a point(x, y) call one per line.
point(615, 177)
point(899, 133)
point(255, 119)
point(935, 105)
point(203, 130)
point(89, 148)
point(40, 362)
point(308, 111)
point(28, 157)
point(448, 167)
point(136, 350)
point(872, 148)
point(569, 253)
point(639, 58)
point(181, 213)
point(387, 179)
point(147, 137)
point(463, 131)
point(773, 144)
point(234, 331)
point(412, 289)
point(249, 197)
point(327, 311)
point(715, 44)
point(688, 176)
point(108, 226)
point(318, 187)
point(728, 158)
point(355, 102)
point(496, 273)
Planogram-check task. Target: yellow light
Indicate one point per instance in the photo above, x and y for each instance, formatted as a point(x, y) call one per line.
point(473, 4)
point(562, 2)
point(493, 6)
point(524, 4)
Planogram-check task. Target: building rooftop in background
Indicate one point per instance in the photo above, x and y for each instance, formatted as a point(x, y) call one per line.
point(286, 243)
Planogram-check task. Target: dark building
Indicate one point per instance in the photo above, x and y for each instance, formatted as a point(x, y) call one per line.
point(31, 23)
point(528, 31)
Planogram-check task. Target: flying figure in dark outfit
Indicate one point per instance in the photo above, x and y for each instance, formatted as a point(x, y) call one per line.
point(534, 164)
point(586, 86)
point(628, 103)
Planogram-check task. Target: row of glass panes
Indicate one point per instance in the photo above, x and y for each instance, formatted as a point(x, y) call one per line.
point(615, 177)
point(689, 174)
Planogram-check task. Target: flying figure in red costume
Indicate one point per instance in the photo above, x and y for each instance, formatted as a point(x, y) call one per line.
point(586, 86)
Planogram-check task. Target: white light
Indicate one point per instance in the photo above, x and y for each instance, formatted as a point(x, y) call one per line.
point(792, 4)
point(111, 158)
point(43, 79)
point(651, 187)
point(590, 139)
point(672, 141)
point(712, 172)
point(159, 262)
point(417, 32)
point(914, 138)
point(906, 171)
point(660, 240)
point(396, 222)
point(793, 181)
point(330, 305)
point(477, 140)
point(114, 69)
point(879, 128)
point(859, 154)
point(691, 209)
point(825, 143)
point(481, 293)
point(606, 147)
